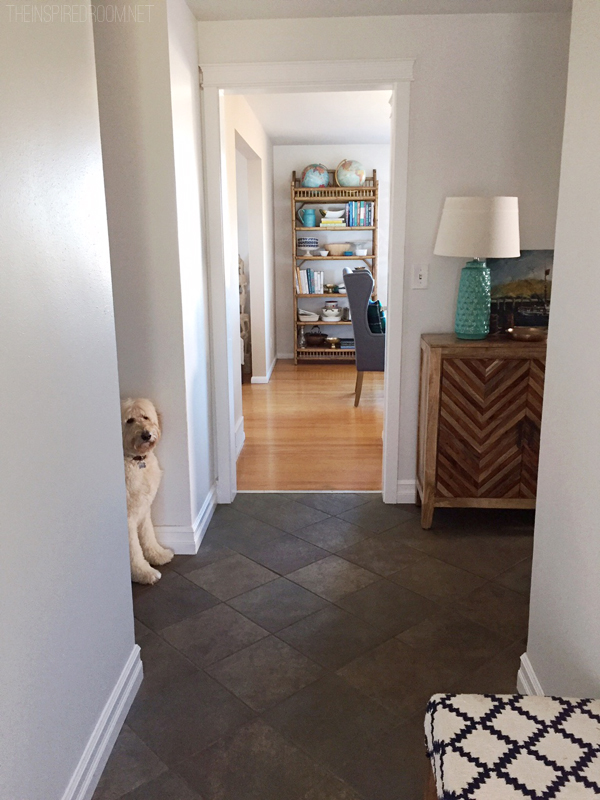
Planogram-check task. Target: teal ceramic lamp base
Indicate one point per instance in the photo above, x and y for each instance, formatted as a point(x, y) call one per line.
point(474, 301)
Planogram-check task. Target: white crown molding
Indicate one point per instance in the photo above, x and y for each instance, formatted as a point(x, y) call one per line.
point(98, 748)
point(186, 539)
point(527, 680)
point(315, 75)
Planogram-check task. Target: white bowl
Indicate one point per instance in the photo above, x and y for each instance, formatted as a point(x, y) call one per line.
point(333, 213)
point(323, 253)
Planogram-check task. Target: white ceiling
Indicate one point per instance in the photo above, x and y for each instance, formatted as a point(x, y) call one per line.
point(324, 117)
point(301, 9)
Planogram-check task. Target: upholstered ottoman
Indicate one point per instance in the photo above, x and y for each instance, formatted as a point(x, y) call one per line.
point(510, 747)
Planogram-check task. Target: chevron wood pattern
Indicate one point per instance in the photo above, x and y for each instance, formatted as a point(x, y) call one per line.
point(531, 438)
point(482, 408)
point(479, 423)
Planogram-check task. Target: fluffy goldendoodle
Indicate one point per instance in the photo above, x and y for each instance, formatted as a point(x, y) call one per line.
point(141, 432)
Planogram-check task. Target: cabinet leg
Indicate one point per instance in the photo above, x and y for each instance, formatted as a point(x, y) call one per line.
point(427, 514)
point(417, 498)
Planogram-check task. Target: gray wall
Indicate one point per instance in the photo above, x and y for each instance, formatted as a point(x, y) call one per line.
point(564, 632)
point(66, 625)
point(148, 89)
point(486, 115)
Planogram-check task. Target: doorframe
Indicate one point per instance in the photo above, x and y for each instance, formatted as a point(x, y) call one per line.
point(303, 76)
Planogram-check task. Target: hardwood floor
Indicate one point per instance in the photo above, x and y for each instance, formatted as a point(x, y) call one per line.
point(303, 432)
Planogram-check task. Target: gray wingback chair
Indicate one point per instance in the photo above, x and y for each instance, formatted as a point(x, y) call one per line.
point(370, 347)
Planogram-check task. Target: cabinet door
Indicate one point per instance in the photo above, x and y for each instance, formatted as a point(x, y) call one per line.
point(483, 408)
point(531, 428)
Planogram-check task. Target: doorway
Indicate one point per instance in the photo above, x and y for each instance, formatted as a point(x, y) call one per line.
point(219, 80)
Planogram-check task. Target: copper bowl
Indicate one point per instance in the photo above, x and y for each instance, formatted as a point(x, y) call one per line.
point(523, 334)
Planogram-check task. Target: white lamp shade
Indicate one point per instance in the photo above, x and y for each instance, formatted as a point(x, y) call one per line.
point(479, 227)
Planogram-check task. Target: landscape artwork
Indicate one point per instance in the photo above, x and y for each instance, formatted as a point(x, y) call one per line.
point(521, 289)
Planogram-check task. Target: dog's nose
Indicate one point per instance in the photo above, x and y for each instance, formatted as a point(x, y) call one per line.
point(146, 435)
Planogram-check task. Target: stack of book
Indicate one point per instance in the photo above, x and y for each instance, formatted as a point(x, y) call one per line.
point(332, 224)
point(359, 213)
point(309, 281)
point(346, 344)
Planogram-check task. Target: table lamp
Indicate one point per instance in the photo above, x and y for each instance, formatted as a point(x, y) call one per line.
point(480, 227)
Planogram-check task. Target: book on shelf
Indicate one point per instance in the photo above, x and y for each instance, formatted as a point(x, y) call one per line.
point(347, 344)
point(359, 214)
point(309, 281)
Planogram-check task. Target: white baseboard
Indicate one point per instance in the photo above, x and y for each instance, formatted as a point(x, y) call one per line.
point(240, 436)
point(100, 744)
point(185, 540)
point(527, 680)
point(264, 378)
point(406, 491)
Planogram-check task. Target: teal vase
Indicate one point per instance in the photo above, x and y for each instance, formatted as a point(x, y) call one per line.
point(474, 301)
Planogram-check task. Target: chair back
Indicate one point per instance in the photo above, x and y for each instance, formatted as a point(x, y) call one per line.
point(370, 347)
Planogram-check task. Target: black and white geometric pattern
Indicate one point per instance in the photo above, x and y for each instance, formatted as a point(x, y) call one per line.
point(510, 747)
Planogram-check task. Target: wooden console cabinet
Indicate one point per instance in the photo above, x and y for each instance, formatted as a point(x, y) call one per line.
point(480, 411)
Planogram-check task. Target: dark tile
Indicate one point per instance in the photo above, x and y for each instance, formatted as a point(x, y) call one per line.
point(166, 787)
point(163, 665)
point(287, 554)
point(289, 516)
point(265, 673)
point(243, 536)
point(389, 607)
point(377, 516)
point(131, 764)
point(328, 716)
point(496, 608)
point(399, 677)
point(391, 768)
point(497, 676)
point(231, 576)
point(332, 534)
point(225, 516)
point(213, 635)
point(436, 579)
point(332, 578)
point(517, 578)
point(382, 554)
point(140, 631)
point(334, 502)
point(208, 553)
point(255, 502)
point(331, 637)
point(449, 638)
point(257, 763)
point(486, 552)
point(170, 601)
point(186, 717)
point(277, 604)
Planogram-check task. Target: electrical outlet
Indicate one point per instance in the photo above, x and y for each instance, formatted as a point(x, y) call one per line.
point(420, 274)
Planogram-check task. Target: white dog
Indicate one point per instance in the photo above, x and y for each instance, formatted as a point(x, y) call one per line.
point(141, 432)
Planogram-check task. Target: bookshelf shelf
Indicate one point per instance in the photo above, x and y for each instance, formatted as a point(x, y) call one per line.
point(365, 199)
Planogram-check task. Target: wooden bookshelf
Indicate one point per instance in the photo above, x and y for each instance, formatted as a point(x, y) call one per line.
point(302, 196)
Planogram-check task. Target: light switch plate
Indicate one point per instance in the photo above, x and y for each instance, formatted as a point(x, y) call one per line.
point(420, 276)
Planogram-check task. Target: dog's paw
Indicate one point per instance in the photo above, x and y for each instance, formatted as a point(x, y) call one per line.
point(159, 556)
point(145, 575)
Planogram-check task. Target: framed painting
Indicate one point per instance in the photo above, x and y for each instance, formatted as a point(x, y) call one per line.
point(521, 289)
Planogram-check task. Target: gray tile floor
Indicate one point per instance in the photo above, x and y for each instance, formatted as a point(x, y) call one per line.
point(293, 656)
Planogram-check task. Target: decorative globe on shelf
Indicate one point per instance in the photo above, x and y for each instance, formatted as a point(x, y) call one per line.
point(315, 176)
point(350, 173)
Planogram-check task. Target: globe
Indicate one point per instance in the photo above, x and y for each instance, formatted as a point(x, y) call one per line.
point(350, 173)
point(315, 176)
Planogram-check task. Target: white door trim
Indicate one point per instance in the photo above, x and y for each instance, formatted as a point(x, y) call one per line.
point(302, 76)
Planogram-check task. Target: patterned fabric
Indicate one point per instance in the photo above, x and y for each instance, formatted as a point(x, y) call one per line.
point(509, 747)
